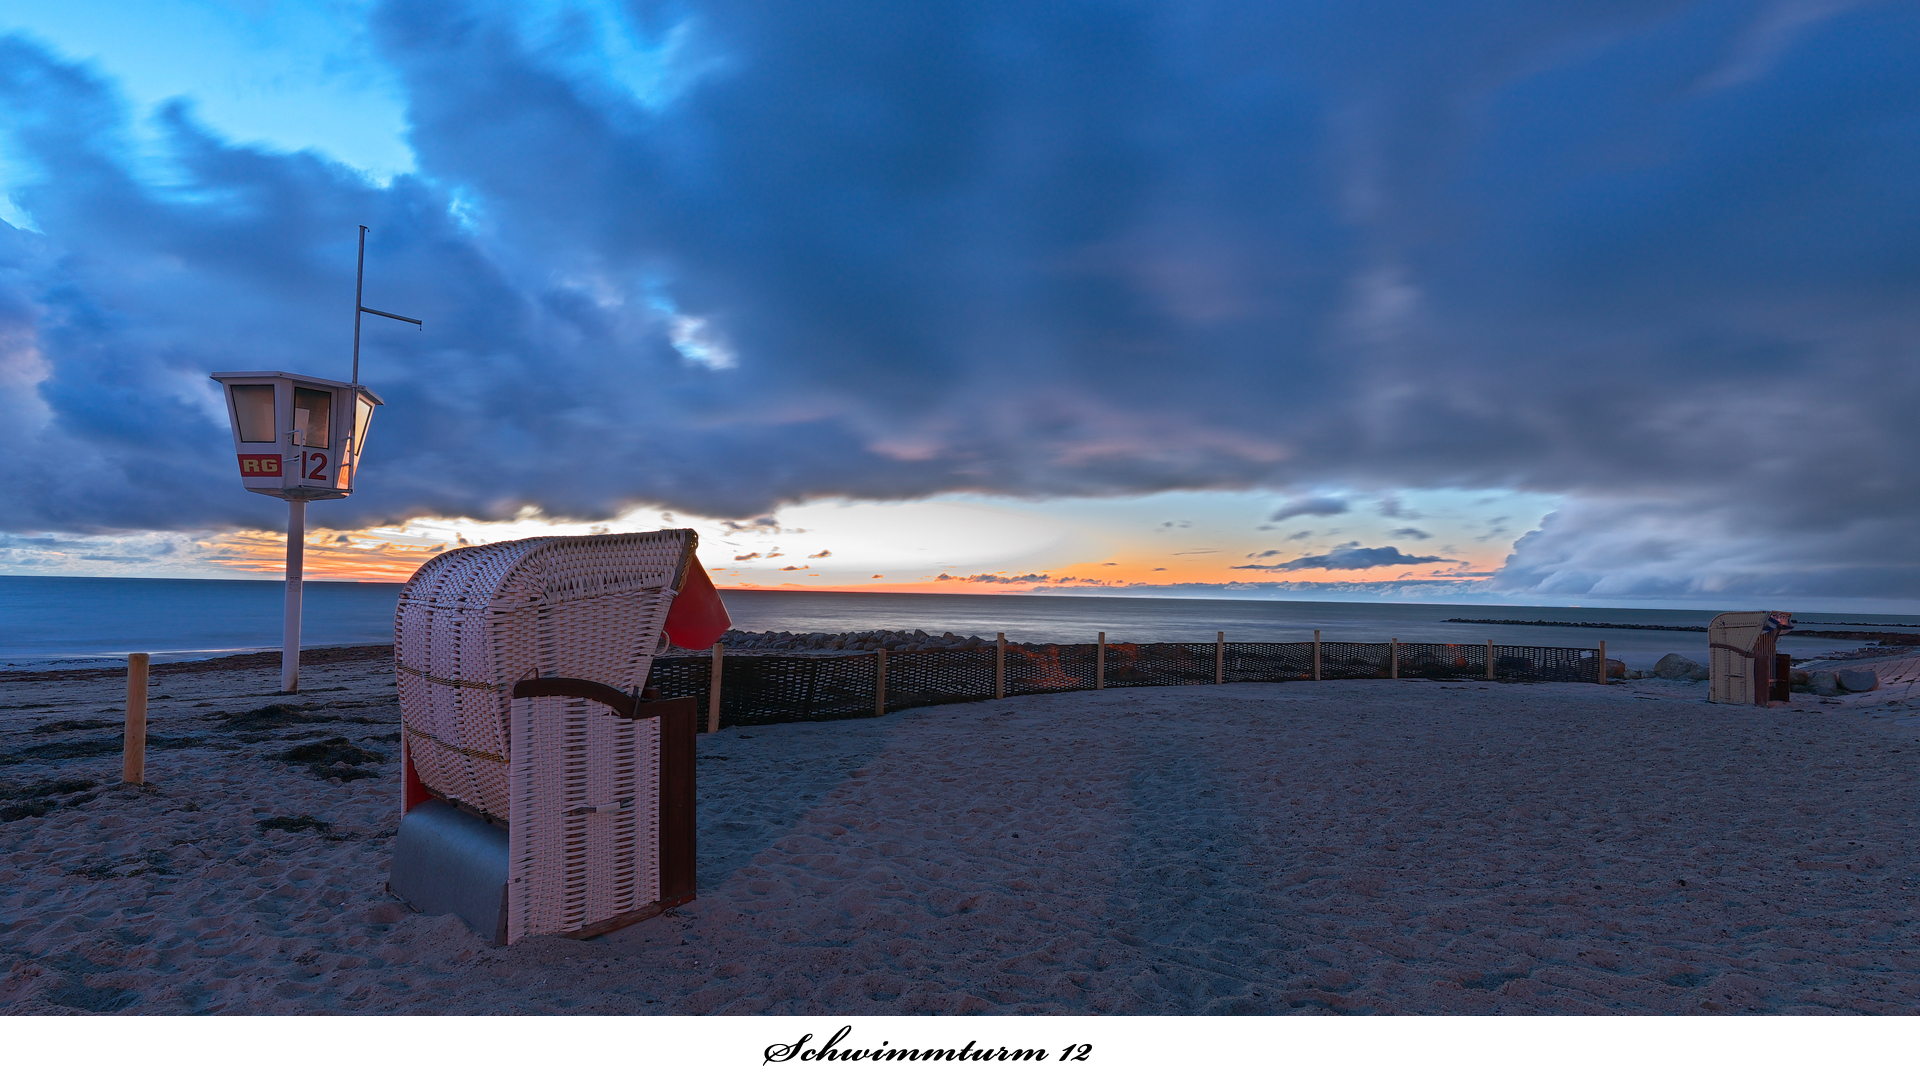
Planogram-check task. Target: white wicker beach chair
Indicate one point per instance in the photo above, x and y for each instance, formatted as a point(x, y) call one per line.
point(1741, 655)
point(542, 795)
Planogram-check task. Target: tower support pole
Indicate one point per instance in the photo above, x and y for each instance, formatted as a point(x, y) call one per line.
point(296, 568)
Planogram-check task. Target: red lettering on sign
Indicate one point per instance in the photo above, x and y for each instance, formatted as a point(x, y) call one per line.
point(319, 466)
point(259, 464)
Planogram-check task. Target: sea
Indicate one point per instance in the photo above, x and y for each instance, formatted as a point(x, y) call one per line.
point(58, 622)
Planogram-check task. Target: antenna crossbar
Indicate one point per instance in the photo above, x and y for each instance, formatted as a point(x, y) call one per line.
point(391, 315)
point(359, 280)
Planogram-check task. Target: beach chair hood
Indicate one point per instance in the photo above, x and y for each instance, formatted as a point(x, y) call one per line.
point(474, 621)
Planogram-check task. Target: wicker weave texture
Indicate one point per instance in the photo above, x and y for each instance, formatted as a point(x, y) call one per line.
point(585, 841)
point(474, 621)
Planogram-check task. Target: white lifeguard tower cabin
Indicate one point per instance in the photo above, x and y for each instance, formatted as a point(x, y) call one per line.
point(297, 437)
point(1742, 654)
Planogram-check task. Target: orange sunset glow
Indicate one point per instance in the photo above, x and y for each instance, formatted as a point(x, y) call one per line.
point(359, 556)
point(1205, 540)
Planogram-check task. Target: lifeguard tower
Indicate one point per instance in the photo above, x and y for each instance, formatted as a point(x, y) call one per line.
point(543, 794)
point(299, 438)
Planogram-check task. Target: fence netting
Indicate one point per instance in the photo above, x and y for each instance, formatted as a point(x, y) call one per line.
point(780, 689)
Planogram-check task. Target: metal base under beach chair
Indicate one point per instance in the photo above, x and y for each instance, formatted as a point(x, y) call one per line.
point(448, 862)
point(452, 861)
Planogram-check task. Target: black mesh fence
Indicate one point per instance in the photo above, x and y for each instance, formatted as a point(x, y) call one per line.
point(1280, 662)
point(1350, 660)
point(936, 678)
point(773, 689)
point(1046, 669)
point(779, 689)
point(1165, 664)
point(1522, 663)
point(1447, 662)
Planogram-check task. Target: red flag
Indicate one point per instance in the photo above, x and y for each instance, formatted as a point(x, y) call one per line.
point(697, 618)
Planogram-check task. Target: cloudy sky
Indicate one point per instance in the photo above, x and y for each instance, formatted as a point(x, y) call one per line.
point(1551, 302)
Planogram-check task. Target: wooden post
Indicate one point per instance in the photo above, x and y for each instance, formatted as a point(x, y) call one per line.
point(713, 689)
point(133, 754)
point(1603, 663)
point(1316, 656)
point(1492, 671)
point(999, 666)
point(1100, 663)
point(880, 683)
point(1396, 658)
point(1219, 657)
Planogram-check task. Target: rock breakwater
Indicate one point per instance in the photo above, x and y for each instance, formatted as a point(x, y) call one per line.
point(859, 641)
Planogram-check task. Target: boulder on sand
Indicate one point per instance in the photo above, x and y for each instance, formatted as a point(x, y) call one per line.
point(1824, 683)
point(1858, 680)
point(1675, 666)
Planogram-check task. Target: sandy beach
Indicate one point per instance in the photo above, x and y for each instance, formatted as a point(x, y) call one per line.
point(1352, 847)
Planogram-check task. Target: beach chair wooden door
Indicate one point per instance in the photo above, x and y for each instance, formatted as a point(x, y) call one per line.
point(1741, 647)
point(602, 795)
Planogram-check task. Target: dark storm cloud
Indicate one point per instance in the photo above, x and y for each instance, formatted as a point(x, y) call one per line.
point(1317, 505)
point(1350, 556)
point(1005, 579)
point(1655, 256)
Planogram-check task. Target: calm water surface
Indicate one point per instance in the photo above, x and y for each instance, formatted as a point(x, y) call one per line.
point(53, 620)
